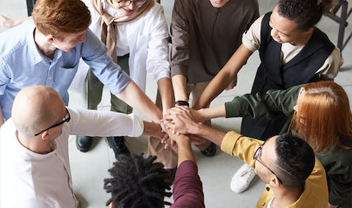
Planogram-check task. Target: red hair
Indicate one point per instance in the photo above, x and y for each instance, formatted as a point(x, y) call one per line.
point(323, 115)
point(59, 17)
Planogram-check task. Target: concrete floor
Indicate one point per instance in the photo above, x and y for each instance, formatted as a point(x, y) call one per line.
point(89, 169)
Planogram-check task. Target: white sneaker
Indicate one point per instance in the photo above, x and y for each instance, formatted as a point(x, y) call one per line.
point(242, 178)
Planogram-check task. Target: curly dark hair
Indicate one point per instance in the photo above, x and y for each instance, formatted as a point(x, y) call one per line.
point(295, 160)
point(137, 182)
point(306, 13)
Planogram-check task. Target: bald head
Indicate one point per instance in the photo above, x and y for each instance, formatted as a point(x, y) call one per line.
point(34, 109)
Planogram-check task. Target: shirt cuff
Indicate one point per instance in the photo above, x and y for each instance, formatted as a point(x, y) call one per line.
point(138, 126)
point(229, 141)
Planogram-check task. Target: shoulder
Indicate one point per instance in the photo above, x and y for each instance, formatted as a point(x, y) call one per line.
point(16, 38)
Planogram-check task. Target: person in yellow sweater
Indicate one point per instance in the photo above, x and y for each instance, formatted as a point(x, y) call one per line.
point(294, 177)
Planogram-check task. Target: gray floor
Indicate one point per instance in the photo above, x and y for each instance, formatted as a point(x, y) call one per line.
point(89, 169)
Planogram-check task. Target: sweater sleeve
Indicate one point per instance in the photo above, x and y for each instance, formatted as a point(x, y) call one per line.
point(270, 105)
point(180, 37)
point(188, 189)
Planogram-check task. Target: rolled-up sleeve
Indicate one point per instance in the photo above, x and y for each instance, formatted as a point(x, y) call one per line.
point(240, 146)
point(94, 53)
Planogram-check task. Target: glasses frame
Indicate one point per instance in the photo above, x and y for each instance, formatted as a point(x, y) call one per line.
point(67, 118)
point(256, 156)
point(129, 2)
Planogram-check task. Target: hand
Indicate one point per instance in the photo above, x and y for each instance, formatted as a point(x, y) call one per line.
point(180, 121)
point(232, 84)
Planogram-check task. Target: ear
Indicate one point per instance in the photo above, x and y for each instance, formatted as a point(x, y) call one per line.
point(45, 135)
point(309, 31)
point(274, 182)
point(49, 38)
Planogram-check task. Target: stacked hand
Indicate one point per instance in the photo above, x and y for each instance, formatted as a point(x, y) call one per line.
point(181, 120)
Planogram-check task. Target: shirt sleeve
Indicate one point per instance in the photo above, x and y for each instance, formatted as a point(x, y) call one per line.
point(158, 50)
point(240, 146)
point(4, 77)
point(187, 189)
point(104, 123)
point(251, 38)
point(270, 105)
point(180, 37)
point(331, 65)
point(338, 171)
point(94, 53)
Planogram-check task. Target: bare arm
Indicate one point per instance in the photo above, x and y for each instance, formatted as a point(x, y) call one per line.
point(179, 84)
point(165, 90)
point(184, 147)
point(134, 96)
point(227, 74)
point(7, 22)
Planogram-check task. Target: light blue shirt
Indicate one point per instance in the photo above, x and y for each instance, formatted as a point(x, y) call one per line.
point(23, 65)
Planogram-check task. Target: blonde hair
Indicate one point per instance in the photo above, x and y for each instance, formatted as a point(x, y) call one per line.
point(323, 115)
point(59, 17)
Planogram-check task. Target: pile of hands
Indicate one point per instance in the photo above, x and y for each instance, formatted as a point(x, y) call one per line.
point(180, 123)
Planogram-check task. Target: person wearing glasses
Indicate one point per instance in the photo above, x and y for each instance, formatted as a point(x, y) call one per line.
point(47, 50)
point(294, 177)
point(35, 166)
point(319, 112)
point(292, 52)
point(136, 34)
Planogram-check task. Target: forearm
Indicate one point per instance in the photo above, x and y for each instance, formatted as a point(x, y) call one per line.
point(152, 129)
point(184, 149)
point(210, 113)
point(208, 133)
point(179, 83)
point(134, 96)
point(165, 90)
point(224, 77)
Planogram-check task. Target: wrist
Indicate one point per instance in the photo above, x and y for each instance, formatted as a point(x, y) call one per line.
point(182, 103)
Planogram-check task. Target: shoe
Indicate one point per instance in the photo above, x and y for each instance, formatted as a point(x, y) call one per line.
point(83, 143)
point(171, 175)
point(242, 178)
point(210, 150)
point(117, 144)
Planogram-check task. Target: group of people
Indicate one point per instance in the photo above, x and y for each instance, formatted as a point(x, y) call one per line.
point(300, 153)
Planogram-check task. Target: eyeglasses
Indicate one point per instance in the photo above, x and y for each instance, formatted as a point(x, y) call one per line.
point(67, 118)
point(257, 155)
point(126, 3)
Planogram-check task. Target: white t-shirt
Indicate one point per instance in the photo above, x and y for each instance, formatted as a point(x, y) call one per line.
point(32, 180)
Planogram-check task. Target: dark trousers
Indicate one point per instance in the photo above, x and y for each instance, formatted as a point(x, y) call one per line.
point(30, 5)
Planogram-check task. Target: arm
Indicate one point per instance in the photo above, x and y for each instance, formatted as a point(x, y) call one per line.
point(270, 105)
point(164, 87)
point(134, 96)
point(180, 88)
point(227, 74)
point(7, 22)
point(179, 50)
point(187, 189)
point(158, 63)
point(332, 65)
